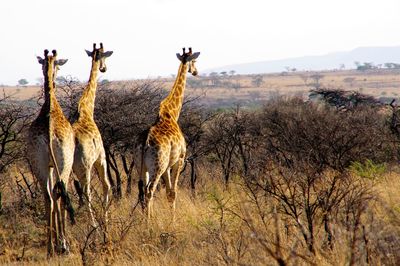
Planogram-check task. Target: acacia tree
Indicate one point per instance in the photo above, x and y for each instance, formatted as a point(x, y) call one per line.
point(122, 114)
point(230, 141)
point(193, 122)
point(22, 82)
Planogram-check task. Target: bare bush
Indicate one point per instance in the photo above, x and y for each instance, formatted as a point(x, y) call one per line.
point(122, 114)
point(299, 133)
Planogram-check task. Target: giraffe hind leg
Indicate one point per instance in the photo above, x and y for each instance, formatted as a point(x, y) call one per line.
point(171, 195)
point(84, 179)
point(150, 189)
point(79, 191)
point(101, 167)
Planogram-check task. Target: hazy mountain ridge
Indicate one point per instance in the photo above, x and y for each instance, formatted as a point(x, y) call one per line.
point(376, 55)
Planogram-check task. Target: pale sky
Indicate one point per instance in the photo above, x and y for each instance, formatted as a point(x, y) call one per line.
point(145, 35)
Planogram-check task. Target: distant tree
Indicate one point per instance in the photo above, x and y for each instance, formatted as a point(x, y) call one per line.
point(104, 82)
point(223, 73)
point(214, 78)
point(388, 65)
point(232, 72)
point(342, 66)
point(257, 81)
point(22, 82)
point(391, 65)
point(213, 74)
point(365, 66)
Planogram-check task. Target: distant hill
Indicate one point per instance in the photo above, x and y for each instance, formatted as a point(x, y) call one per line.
point(377, 55)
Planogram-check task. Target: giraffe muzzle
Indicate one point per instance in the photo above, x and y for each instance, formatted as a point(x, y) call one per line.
point(103, 69)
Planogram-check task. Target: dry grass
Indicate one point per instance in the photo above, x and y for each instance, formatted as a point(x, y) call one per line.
point(220, 226)
point(378, 83)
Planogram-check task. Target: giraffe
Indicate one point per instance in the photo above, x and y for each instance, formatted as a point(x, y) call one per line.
point(89, 149)
point(163, 147)
point(51, 146)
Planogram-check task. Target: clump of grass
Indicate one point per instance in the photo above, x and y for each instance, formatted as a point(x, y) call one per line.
point(368, 169)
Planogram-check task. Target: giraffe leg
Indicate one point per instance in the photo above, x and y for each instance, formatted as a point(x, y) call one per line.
point(63, 240)
point(49, 217)
point(85, 182)
point(171, 194)
point(101, 167)
point(167, 179)
point(49, 206)
point(79, 190)
point(141, 188)
point(57, 219)
point(150, 189)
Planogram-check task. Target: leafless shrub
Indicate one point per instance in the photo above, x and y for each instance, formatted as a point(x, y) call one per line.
point(14, 119)
point(193, 122)
point(122, 114)
point(297, 133)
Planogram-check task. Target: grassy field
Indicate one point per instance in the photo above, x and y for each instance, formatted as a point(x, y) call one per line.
point(241, 88)
point(218, 226)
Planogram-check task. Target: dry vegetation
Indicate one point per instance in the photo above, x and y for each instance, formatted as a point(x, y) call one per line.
point(231, 89)
point(288, 183)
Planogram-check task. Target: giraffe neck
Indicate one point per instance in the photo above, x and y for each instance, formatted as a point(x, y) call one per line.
point(50, 104)
point(51, 111)
point(172, 104)
point(86, 103)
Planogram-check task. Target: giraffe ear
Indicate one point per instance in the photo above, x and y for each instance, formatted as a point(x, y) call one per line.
point(61, 62)
point(89, 53)
point(40, 60)
point(193, 56)
point(107, 54)
point(179, 57)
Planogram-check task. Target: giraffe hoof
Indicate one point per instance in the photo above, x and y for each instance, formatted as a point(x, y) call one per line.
point(171, 196)
point(63, 248)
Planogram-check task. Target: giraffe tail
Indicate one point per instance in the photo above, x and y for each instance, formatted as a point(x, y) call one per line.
point(142, 143)
point(60, 188)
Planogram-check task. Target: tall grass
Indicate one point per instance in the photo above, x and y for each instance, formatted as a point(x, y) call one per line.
point(220, 226)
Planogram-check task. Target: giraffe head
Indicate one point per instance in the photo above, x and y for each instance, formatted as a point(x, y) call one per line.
point(50, 61)
point(98, 54)
point(189, 58)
